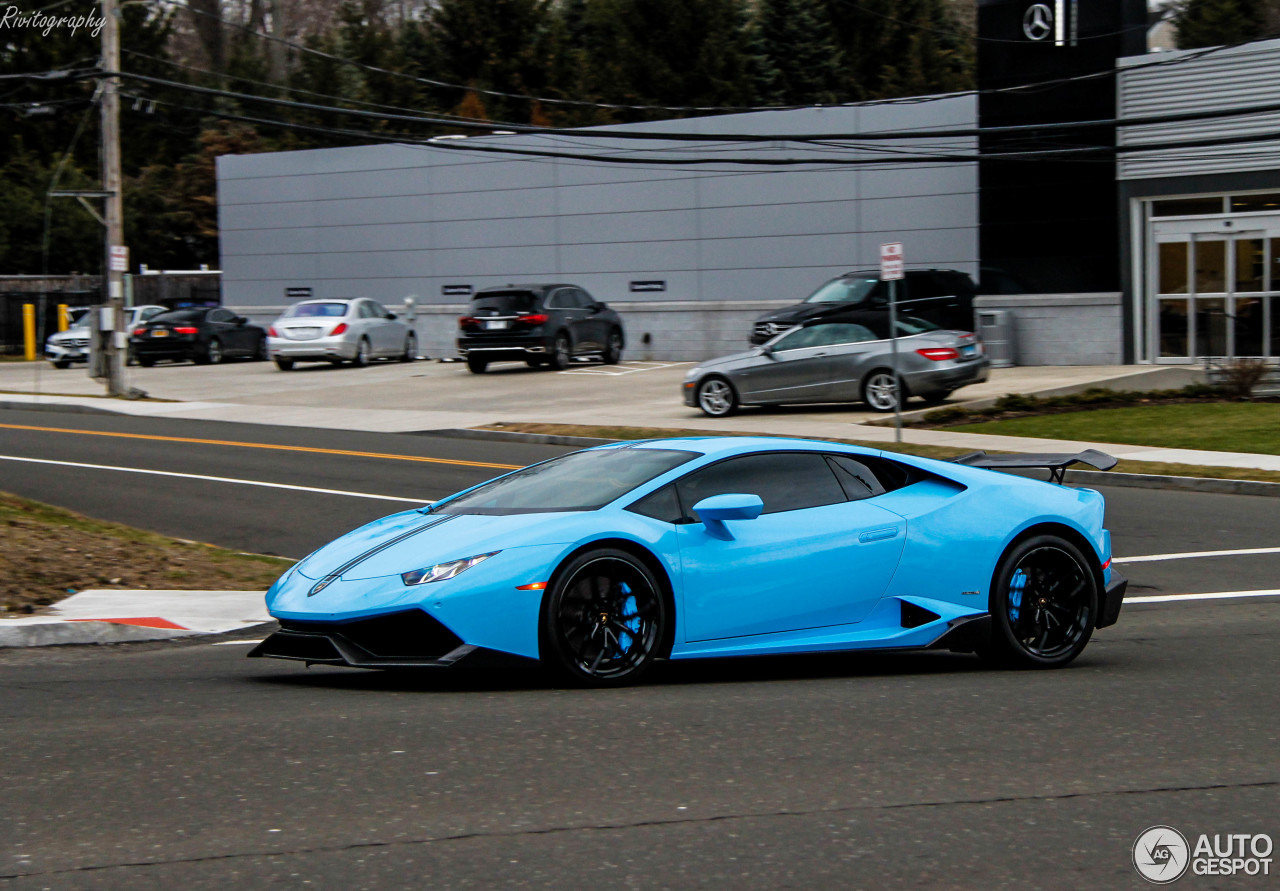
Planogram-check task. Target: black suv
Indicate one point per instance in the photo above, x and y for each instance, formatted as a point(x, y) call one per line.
point(941, 296)
point(541, 324)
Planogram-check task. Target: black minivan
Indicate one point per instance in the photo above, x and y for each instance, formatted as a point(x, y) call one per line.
point(540, 324)
point(942, 296)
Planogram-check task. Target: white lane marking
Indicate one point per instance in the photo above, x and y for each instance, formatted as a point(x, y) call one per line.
point(619, 370)
point(217, 479)
point(1220, 595)
point(234, 643)
point(1191, 555)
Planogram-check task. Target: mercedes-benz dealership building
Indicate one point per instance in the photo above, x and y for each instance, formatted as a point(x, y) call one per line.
point(1131, 200)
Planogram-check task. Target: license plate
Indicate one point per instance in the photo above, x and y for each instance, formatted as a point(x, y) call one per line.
point(494, 326)
point(160, 332)
point(970, 350)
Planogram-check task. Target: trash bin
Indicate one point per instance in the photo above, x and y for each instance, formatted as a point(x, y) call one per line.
point(995, 327)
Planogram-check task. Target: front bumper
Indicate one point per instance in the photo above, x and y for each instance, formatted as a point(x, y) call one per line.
point(408, 639)
point(319, 349)
point(57, 352)
point(1111, 601)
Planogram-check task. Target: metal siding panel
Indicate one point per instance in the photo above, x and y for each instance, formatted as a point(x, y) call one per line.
point(643, 259)
point(656, 225)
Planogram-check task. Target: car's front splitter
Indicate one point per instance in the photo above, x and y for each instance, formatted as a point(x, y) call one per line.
point(408, 639)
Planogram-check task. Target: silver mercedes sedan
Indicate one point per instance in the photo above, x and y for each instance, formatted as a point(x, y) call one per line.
point(841, 359)
point(347, 329)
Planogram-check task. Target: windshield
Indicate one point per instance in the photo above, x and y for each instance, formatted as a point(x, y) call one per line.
point(843, 290)
point(328, 310)
point(579, 481)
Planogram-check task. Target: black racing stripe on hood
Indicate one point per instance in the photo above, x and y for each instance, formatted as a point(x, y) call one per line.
point(356, 561)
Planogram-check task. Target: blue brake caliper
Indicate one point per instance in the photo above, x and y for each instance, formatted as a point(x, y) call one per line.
point(1017, 585)
point(629, 607)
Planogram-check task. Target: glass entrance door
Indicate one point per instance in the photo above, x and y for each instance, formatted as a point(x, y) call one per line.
point(1217, 295)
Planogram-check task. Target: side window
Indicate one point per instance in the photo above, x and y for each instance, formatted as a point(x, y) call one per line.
point(366, 309)
point(660, 505)
point(582, 298)
point(148, 313)
point(379, 311)
point(841, 332)
point(558, 300)
point(220, 315)
point(856, 478)
point(867, 477)
point(783, 480)
point(879, 296)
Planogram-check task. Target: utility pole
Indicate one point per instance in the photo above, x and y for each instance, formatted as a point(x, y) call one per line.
point(112, 273)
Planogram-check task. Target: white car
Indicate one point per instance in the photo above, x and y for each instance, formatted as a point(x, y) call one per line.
point(342, 329)
point(72, 345)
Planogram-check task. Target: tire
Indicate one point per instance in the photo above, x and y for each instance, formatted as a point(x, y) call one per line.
point(476, 364)
point(362, 353)
point(410, 348)
point(62, 364)
point(1044, 604)
point(284, 364)
point(212, 353)
point(716, 397)
point(561, 353)
point(261, 354)
point(613, 348)
point(880, 390)
point(604, 619)
point(146, 361)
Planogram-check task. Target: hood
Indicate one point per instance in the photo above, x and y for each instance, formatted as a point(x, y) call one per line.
point(799, 312)
point(412, 540)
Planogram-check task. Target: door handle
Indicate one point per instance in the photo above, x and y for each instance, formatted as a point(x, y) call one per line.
point(878, 534)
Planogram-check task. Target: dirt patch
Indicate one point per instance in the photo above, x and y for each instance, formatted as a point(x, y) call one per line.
point(47, 553)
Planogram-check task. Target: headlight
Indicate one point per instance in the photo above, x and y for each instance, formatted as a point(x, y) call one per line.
point(693, 372)
point(442, 571)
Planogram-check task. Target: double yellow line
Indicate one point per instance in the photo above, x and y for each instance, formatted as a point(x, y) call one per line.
point(263, 445)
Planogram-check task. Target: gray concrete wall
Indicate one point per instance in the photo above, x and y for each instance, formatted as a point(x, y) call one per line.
point(389, 221)
point(1063, 329)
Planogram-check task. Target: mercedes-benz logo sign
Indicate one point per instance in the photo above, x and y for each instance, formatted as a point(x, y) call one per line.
point(1161, 855)
point(1037, 24)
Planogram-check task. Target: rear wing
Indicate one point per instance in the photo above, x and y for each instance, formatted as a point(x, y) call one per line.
point(1056, 464)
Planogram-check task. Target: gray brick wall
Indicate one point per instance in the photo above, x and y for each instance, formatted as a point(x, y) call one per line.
point(1063, 329)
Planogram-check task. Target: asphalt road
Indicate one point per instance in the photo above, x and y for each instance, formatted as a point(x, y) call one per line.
point(184, 764)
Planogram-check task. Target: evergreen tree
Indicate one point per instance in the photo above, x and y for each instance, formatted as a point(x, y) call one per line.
point(1218, 22)
point(801, 52)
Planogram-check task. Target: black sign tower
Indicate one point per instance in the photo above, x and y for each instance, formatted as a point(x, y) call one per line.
point(1052, 221)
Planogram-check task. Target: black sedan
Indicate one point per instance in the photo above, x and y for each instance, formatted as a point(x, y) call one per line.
point(205, 335)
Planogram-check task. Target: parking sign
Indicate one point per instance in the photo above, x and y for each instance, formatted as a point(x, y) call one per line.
point(891, 261)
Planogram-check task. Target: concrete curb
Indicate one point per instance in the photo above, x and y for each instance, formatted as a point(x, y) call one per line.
point(106, 617)
point(504, 436)
point(1183, 483)
point(65, 407)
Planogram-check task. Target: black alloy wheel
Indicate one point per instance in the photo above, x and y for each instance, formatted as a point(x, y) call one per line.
point(476, 365)
point(284, 364)
point(613, 348)
point(1044, 604)
point(146, 361)
point(561, 354)
point(604, 619)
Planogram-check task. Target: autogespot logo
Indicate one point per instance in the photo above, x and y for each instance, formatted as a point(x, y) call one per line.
point(1161, 855)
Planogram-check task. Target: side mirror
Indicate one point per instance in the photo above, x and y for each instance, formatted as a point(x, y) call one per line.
point(596, 307)
point(240, 320)
point(766, 350)
point(391, 315)
point(714, 511)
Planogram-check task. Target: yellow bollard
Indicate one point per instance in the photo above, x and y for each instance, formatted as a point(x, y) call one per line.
point(62, 317)
point(29, 329)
